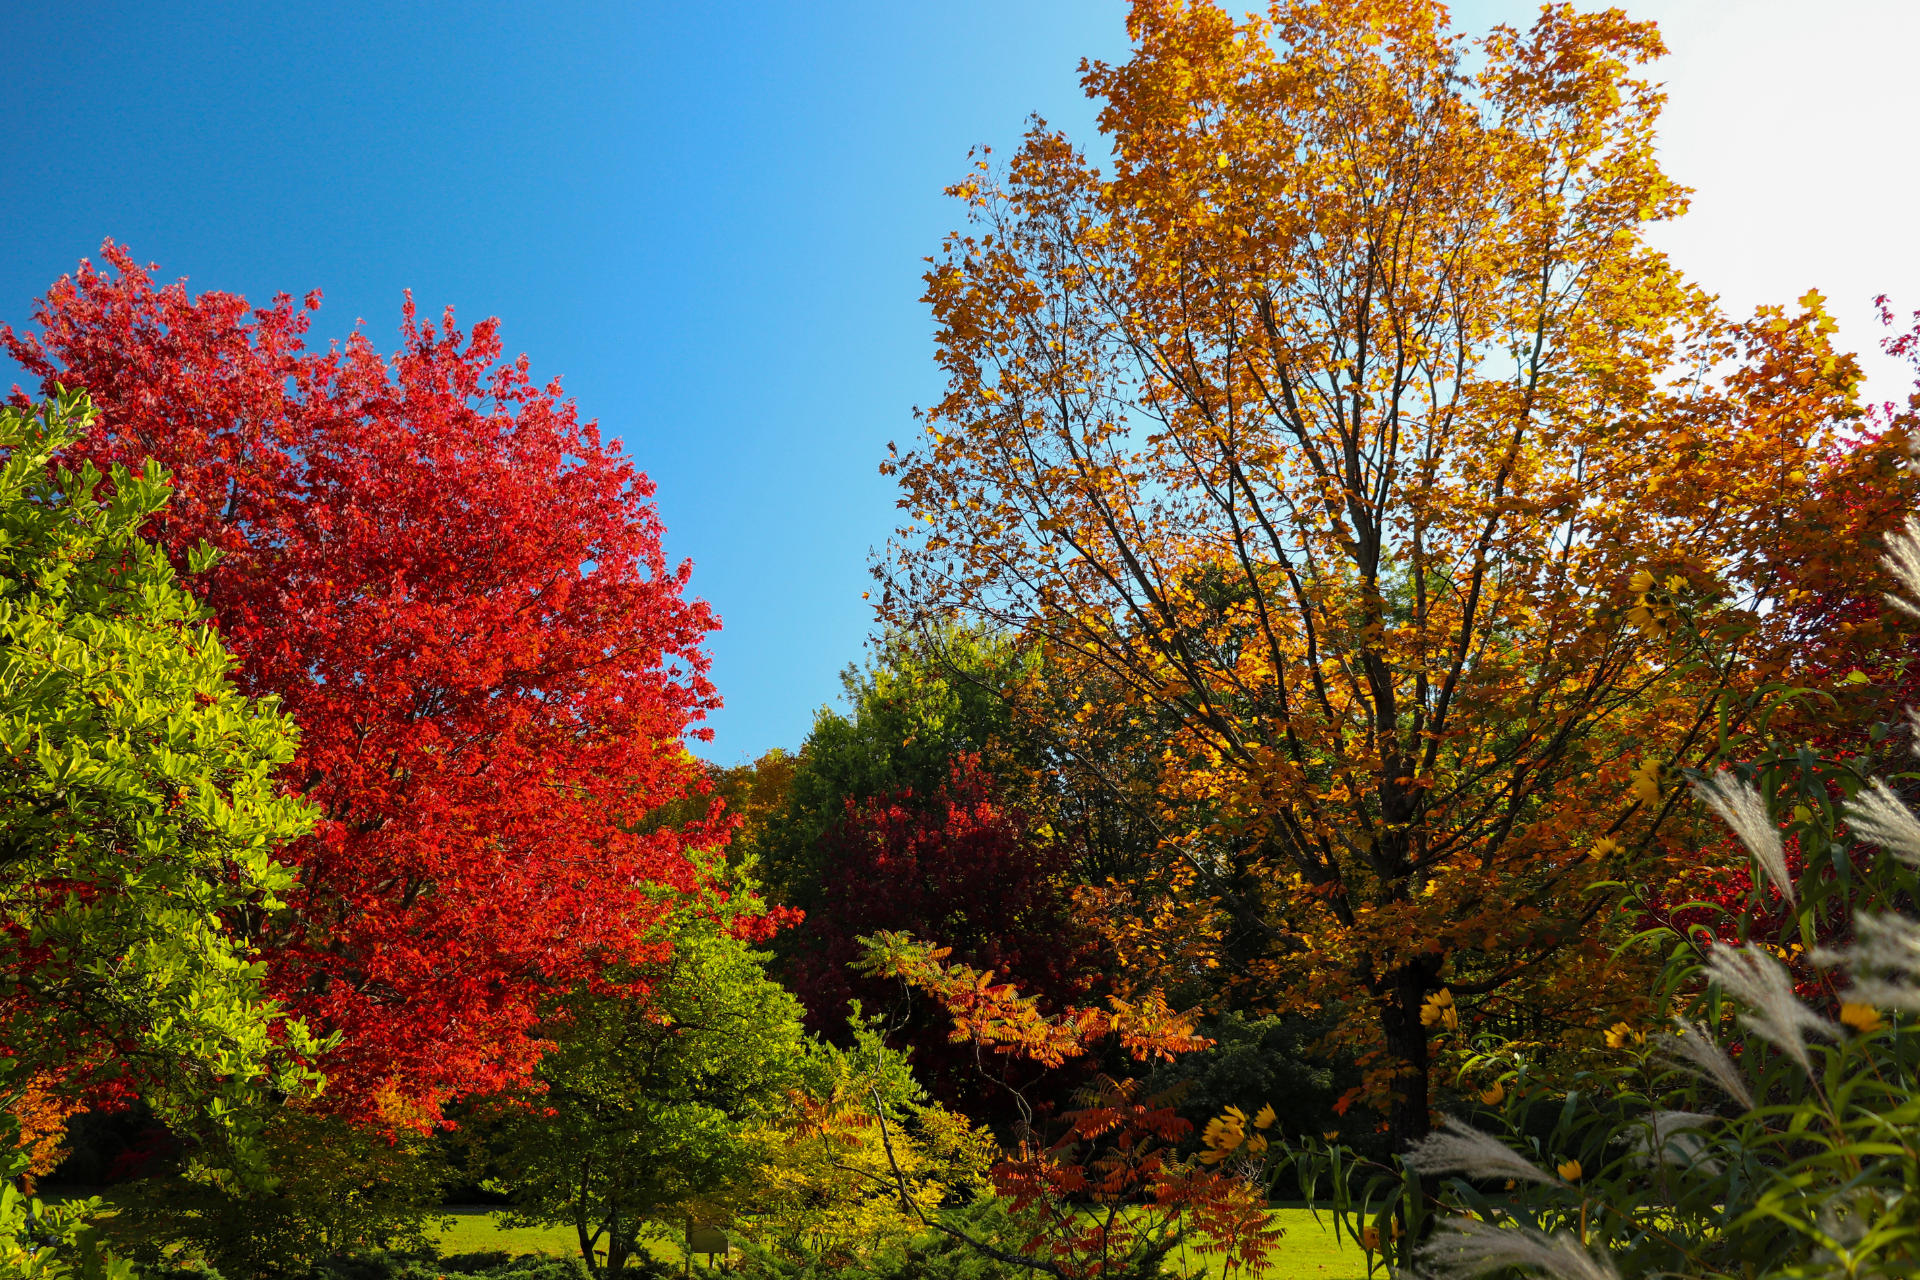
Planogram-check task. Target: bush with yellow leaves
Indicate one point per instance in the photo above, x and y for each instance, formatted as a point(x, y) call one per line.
point(858, 1165)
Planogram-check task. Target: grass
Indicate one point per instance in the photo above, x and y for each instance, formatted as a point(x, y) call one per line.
point(477, 1231)
point(1306, 1252)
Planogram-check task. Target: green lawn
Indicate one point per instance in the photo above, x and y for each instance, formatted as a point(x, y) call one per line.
point(1306, 1253)
point(476, 1231)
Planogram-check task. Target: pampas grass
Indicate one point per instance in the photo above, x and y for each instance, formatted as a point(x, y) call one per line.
point(1742, 807)
point(1465, 1248)
point(1461, 1148)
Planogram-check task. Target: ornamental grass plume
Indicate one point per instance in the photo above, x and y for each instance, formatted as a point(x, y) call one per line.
point(1671, 1138)
point(1902, 560)
point(1884, 961)
point(1877, 815)
point(1466, 1247)
point(1774, 1014)
point(1741, 806)
point(1694, 1050)
point(1461, 1148)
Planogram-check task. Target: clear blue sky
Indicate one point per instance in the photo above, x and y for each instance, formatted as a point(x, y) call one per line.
point(707, 218)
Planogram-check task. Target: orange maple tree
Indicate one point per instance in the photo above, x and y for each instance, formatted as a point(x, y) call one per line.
point(1107, 1193)
point(1348, 442)
point(41, 1107)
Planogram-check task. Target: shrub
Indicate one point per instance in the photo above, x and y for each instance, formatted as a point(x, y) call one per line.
point(332, 1190)
point(926, 1255)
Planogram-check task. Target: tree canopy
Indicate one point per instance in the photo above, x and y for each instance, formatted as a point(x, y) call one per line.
point(644, 1102)
point(457, 588)
point(1350, 438)
point(140, 819)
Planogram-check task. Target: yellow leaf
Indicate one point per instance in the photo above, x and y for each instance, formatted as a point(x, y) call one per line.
point(1863, 1018)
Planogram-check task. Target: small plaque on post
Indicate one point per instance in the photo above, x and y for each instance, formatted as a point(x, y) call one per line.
point(707, 1240)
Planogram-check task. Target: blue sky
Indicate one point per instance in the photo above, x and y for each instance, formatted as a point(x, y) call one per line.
point(709, 219)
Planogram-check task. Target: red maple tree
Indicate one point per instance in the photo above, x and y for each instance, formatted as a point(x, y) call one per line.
point(1847, 656)
point(1838, 619)
point(458, 590)
point(964, 867)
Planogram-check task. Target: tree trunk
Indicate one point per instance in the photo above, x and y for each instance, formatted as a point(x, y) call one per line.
point(1408, 1121)
point(617, 1244)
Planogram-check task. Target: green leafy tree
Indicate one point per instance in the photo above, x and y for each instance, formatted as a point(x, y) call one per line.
point(139, 814)
point(648, 1092)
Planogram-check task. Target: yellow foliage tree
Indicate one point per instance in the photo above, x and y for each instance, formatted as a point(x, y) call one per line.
point(1320, 445)
point(860, 1163)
